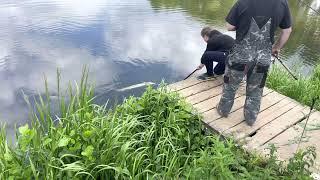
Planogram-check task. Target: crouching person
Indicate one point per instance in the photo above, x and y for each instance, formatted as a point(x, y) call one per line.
point(218, 47)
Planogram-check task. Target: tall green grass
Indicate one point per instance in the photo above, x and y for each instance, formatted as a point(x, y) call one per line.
point(155, 136)
point(304, 90)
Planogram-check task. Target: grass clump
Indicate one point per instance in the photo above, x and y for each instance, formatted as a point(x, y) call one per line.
point(303, 90)
point(156, 136)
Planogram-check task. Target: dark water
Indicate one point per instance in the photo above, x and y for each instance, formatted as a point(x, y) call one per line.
point(124, 42)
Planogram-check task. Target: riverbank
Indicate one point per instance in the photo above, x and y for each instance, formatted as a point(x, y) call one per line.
point(303, 90)
point(157, 135)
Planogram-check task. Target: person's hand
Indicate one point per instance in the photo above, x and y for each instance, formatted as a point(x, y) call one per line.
point(275, 51)
point(200, 66)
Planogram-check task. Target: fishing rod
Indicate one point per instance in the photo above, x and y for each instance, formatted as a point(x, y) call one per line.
point(191, 74)
point(305, 126)
point(281, 62)
point(308, 6)
point(314, 100)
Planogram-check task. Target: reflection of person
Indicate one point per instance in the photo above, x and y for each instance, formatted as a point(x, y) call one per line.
point(255, 22)
point(218, 47)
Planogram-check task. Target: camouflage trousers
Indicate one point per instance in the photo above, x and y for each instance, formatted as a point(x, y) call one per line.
point(256, 78)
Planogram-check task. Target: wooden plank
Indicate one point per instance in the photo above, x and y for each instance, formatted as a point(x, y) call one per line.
point(206, 85)
point(242, 90)
point(213, 114)
point(236, 117)
point(277, 126)
point(287, 142)
point(292, 135)
point(209, 106)
point(192, 81)
point(242, 130)
point(267, 91)
point(221, 124)
point(205, 95)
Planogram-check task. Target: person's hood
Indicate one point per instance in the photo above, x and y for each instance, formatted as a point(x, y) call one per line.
point(214, 33)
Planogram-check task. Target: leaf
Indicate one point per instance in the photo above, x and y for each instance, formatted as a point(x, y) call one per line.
point(88, 151)
point(33, 169)
point(77, 146)
point(139, 107)
point(63, 142)
point(72, 133)
point(8, 156)
point(47, 141)
point(26, 137)
point(88, 115)
point(87, 134)
point(24, 130)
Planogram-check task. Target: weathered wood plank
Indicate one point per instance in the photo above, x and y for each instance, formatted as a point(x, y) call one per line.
point(242, 90)
point(287, 142)
point(213, 115)
point(236, 117)
point(192, 81)
point(207, 104)
point(221, 124)
point(242, 130)
point(210, 93)
point(205, 85)
point(208, 107)
point(267, 91)
point(277, 126)
point(210, 103)
point(202, 96)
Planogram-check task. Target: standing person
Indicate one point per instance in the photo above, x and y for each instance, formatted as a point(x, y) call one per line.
point(218, 47)
point(255, 22)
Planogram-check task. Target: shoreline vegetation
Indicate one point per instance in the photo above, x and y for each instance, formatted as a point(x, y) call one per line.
point(155, 136)
point(303, 90)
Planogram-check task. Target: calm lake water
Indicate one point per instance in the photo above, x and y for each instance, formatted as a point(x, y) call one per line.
point(124, 42)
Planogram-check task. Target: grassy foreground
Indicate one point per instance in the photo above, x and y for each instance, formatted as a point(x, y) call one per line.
point(304, 90)
point(155, 136)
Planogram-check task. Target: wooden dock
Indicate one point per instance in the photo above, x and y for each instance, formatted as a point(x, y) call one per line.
point(280, 121)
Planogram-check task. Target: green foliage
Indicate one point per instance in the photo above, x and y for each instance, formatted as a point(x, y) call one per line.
point(156, 136)
point(304, 90)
